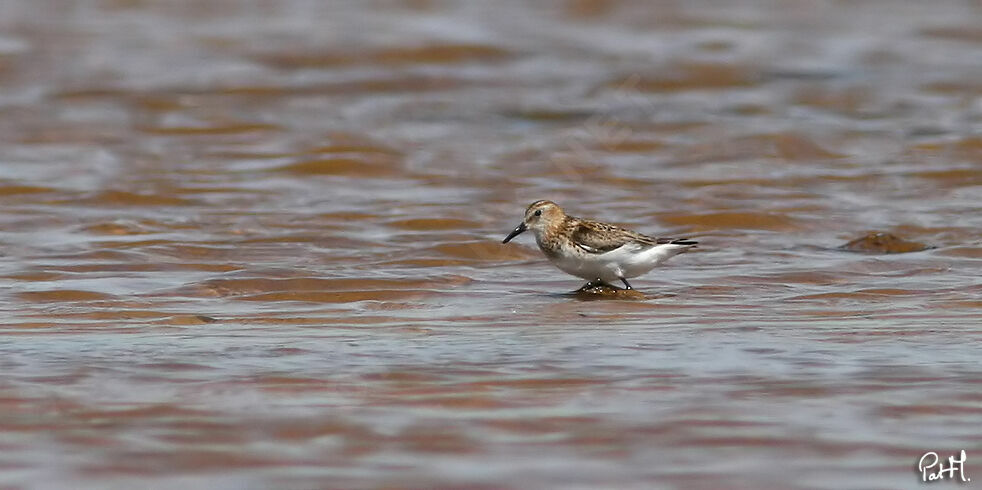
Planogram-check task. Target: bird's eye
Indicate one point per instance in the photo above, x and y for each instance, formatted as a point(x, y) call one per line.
point(538, 212)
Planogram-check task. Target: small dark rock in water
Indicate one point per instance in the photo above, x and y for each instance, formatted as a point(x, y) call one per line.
point(884, 243)
point(605, 291)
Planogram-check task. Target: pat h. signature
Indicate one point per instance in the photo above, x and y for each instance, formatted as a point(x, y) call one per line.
point(932, 468)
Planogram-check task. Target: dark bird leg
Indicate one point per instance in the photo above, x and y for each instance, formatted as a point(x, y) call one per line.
point(627, 285)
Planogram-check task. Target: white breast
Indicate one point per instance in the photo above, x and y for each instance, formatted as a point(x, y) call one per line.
point(630, 260)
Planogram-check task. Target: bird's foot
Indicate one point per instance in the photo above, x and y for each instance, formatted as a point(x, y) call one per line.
point(594, 290)
point(596, 283)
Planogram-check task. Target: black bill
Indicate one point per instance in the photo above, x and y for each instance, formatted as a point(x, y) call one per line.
point(514, 233)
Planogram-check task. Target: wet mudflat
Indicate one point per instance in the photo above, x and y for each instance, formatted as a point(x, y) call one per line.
point(257, 244)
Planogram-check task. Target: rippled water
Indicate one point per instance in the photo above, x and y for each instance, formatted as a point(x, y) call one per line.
point(257, 244)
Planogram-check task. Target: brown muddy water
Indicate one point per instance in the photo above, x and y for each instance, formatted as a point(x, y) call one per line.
point(257, 244)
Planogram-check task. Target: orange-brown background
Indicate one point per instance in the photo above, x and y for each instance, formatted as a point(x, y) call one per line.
point(256, 244)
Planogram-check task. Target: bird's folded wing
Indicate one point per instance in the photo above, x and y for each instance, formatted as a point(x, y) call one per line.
point(600, 238)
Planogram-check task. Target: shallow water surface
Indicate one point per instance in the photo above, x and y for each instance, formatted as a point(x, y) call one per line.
point(257, 244)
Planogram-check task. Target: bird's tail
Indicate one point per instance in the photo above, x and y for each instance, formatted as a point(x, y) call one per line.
point(684, 241)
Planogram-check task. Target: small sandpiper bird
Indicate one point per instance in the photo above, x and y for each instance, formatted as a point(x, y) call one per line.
point(598, 252)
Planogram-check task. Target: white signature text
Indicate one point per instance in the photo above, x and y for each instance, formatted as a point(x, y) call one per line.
point(932, 468)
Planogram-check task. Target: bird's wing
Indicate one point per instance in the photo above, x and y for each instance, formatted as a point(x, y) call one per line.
point(598, 238)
